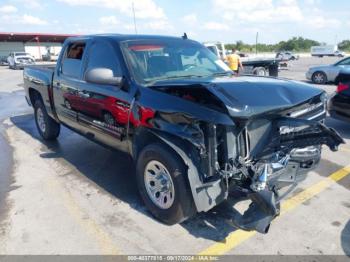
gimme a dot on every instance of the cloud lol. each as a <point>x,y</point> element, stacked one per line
<point>8,9</point>
<point>190,18</point>
<point>158,25</point>
<point>108,20</point>
<point>264,13</point>
<point>259,11</point>
<point>215,26</point>
<point>143,8</point>
<point>31,4</point>
<point>320,22</point>
<point>241,6</point>
<point>22,20</point>
<point>32,20</point>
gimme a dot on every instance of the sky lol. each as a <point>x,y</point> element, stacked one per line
<point>203,20</point>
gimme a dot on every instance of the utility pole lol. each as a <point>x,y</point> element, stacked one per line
<point>133,11</point>
<point>256,43</point>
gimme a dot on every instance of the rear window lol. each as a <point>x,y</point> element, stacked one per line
<point>71,63</point>
<point>76,51</point>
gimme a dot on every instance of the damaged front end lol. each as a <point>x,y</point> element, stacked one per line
<point>273,158</point>
<point>263,155</point>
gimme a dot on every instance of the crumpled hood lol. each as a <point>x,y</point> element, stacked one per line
<point>246,96</point>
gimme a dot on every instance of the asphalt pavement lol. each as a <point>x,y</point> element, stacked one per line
<point>73,196</point>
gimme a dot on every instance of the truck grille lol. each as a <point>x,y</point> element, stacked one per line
<point>315,111</point>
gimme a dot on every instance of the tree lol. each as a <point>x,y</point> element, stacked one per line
<point>344,45</point>
<point>298,44</point>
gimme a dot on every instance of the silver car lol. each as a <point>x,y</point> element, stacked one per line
<point>327,73</point>
<point>17,60</point>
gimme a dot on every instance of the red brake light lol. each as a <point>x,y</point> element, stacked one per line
<point>341,87</point>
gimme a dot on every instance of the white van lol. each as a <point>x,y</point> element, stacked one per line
<point>326,50</point>
<point>217,48</point>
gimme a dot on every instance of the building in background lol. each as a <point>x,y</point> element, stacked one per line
<point>39,45</point>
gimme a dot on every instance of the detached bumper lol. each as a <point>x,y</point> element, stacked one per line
<point>260,213</point>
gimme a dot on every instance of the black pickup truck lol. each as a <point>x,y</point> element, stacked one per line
<point>198,133</point>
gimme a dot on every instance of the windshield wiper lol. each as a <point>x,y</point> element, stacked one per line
<point>226,73</point>
<point>172,77</point>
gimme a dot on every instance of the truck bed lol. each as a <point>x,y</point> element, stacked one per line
<point>38,78</point>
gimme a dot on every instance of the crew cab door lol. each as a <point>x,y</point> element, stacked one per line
<point>67,78</point>
<point>106,107</point>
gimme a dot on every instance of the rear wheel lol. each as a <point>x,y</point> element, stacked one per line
<point>260,71</point>
<point>48,128</point>
<point>163,186</point>
<point>319,78</point>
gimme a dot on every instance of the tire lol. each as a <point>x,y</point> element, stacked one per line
<point>259,71</point>
<point>319,78</point>
<point>48,128</point>
<point>109,119</point>
<point>179,206</point>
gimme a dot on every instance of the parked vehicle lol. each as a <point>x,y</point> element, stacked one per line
<point>17,60</point>
<point>50,57</point>
<point>52,54</point>
<point>217,48</point>
<point>195,130</point>
<point>339,102</point>
<point>241,54</point>
<point>327,73</point>
<point>326,50</point>
<point>3,60</point>
<point>287,56</point>
<point>252,66</point>
<point>260,66</point>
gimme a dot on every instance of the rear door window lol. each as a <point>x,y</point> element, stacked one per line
<point>72,60</point>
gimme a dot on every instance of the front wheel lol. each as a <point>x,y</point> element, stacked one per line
<point>319,78</point>
<point>48,128</point>
<point>163,186</point>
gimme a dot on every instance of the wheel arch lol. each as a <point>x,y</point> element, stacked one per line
<point>205,196</point>
<point>33,95</point>
<point>322,72</point>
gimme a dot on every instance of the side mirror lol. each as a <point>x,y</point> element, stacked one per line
<point>102,76</point>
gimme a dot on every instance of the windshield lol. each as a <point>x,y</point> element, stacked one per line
<point>345,61</point>
<point>154,60</point>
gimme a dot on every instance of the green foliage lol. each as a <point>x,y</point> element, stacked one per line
<point>344,45</point>
<point>297,44</point>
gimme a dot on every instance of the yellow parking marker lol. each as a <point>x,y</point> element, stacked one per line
<point>239,236</point>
